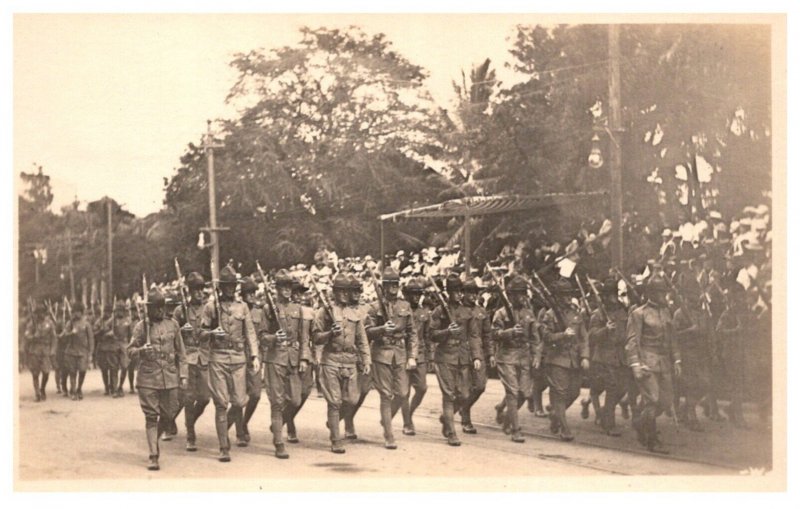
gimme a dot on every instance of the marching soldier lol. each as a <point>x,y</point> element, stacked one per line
<point>417,376</point>
<point>458,351</point>
<point>565,347</point>
<point>652,352</point>
<point>307,378</point>
<point>232,336</point>
<point>40,347</point>
<point>478,377</point>
<point>340,329</point>
<point>348,414</point>
<point>514,343</point>
<point>116,334</point>
<point>78,353</point>
<point>247,290</point>
<point>287,359</point>
<point>197,395</point>
<point>162,369</point>
<point>609,372</point>
<point>394,350</point>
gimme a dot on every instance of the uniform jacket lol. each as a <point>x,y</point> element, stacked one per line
<point>558,349</point>
<point>197,344</point>
<point>296,347</point>
<point>651,339</point>
<point>348,348</point>
<point>396,347</point>
<point>483,321</point>
<point>240,334</point>
<point>608,348</point>
<point>460,350</point>
<point>163,368</point>
<point>40,337</point>
<point>115,335</point>
<point>510,349</point>
<point>693,334</point>
<point>82,339</point>
<point>422,322</point>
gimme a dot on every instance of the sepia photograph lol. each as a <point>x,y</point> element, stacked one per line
<point>414,252</point>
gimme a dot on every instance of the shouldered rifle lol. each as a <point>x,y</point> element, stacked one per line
<point>145,314</point>
<point>584,300</point>
<point>182,291</point>
<point>323,299</point>
<point>600,305</point>
<point>380,295</point>
<point>551,300</point>
<point>441,300</point>
<point>270,300</point>
<point>52,313</point>
<point>215,294</point>
<point>503,295</point>
<point>628,284</point>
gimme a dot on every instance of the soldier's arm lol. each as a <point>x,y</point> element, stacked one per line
<point>320,329</point>
<point>437,332</point>
<point>177,315</point>
<point>362,343</point>
<point>727,324</point>
<point>682,326</point>
<point>90,334</point>
<point>53,339</point>
<point>137,339</point>
<point>672,341</point>
<point>250,335</point>
<point>180,353</point>
<point>374,331</point>
<point>412,339</point>
<point>583,341</point>
<point>500,323</point>
<point>304,335</point>
<point>550,329</point>
<point>634,335</point>
<point>598,332</point>
<point>474,337</point>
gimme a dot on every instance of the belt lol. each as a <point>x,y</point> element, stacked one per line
<point>227,344</point>
<point>287,344</point>
<point>392,342</point>
<point>341,349</point>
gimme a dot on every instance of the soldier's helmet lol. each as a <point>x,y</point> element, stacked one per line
<point>341,282</point>
<point>354,283</point>
<point>195,280</point>
<point>248,285</point>
<point>298,286</point>
<point>609,286</point>
<point>517,285</point>
<point>283,278</point>
<point>227,276</point>
<point>454,283</point>
<point>155,298</point>
<point>562,286</point>
<point>656,284</point>
<point>390,275</point>
<point>472,286</point>
<point>414,285</point>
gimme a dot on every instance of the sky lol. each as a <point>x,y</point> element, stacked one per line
<point>107,103</point>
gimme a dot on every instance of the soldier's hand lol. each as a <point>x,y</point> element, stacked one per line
<point>366,369</point>
<point>389,327</point>
<point>476,364</point>
<point>146,350</point>
<point>184,384</point>
<point>454,329</point>
<point>336,329</point>
<point>411,364</point>
<point>585,364</point>
<point>281,335</point>
<point>219,333</point>
<point>187,328</point>
<point>569,331</point>
<point>256,363</point>
<point>537,363</point>
<point>611,326</point>
<point>518,331</point>
<point>303,366</point>
<point>640,372</point>
<point>678,370</point>
<point>492,361</point>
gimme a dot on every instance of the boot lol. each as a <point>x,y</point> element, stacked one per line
<point>499,412</point>
<point>625,408</point>
<point>221,423</point>
<point>653,443</point>
<point>453,440</point>
<point>333,426</point>
<point>516,436</point>
<point>151,430</point>
<point>466,422</point>
<point>224,455</point>
<point>585,409</point>
<point>280,451</point>
<point>153,463</point>
<point>337,447</point>
<point>386,423</point>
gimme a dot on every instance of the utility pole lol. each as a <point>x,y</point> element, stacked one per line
<point>615,121</point>
<point>213,229</point>
<point>110,250</point>
<point>71,271</point>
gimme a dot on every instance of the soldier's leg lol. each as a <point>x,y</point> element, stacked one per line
<point>45,370</point>
<point>614,380</point>
<point>104,372</point>
<point>237,391</point>
<point>536,403</point>
<point>477,387</point>
<point>644,423</point>
<point>254,388</point>
<point>307,384</point>
<point>558,379</point>
<point>332,380</point>
<point>418,381</point>
<point>131,374</point>
<point>218,386</point>
<point>509,377</point>
<point>112,382</point>
<point>276,392</point>
<point>349,409</point>
<point>382,375</point>
<point>35,375</point>
<point>189,398</point>
<point>149,402</point>
<point>447,375</point>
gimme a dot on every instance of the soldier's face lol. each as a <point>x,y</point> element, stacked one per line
<point>228,291</point>
<point>196,294</point>
<point>470,298</point>
<point>391,289</point>
<point>157,312</point>
<point>341,297</point>
<point>355,296</point>
<point>456,295</point>
<point>285,292</point>
<point>658,296</point>
<point>249,298</point>
<point>517,298</point>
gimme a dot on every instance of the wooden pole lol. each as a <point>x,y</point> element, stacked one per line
<point>110,250</point>
<point>70,267</point>
<point>383,248</point>
<point>466,245</point>
<point>212,203</point>
<point>615,121</point>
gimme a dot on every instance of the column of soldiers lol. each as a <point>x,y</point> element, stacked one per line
<point>660,349</point>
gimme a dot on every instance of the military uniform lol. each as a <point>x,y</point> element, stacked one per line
<point>162,369</point>
<point>651,344</point>
<point>283,359</point>
<point>40,347</point>
<point>340,354</point>
<point>363,379</point>
<point>197,394</point>
<point>692,334</point>
<point>307,377</point>
<point>478,377</point>
<point>77,354</point>
<point>116,334</point>
<point>513,350</point>
<point>609,373</point>
<point>232,337</point>
<point>562,355</point>
<point>417,376</point>
<point>391,352</point>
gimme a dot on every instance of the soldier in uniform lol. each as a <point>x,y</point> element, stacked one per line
<point>197,394</point>
<point>232,337</point>
<point>78,353</point>
<point>348,414</point>
<point>565,347</point>
<point>300,297</point>
<point>341,331</point>
<point>514,343</point>
<point>247,290</point>
<point>394,350</point>
<point>115,335</point>
<point>609,371</point>
<point>417,376</point>
<point>458,351</point>
<point>40,347</point>
<point>162,369</point>
<point>692,332</point>
<point>287,358</point>
<point>652,352</point>
<point>478,377</point>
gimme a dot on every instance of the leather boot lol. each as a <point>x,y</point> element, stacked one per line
<point>512,415</point>
<point>516,436</point>
<point>280,451</point>
<point>151,430</point>
<point>221,423</point>
<point>386,423</point>
<point>333,427</point>
<point>448,426</point>
<point>191,436</point>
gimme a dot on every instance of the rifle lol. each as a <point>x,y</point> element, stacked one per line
<point>323,300</point>
<point>551,300</point>
<point>503,295</point>
<point>146,315</point>
<point>215,294</point>
<point>628,284</point>
<point>270,300</point>
<point>600,305</point>
<point>441,300</point>
<point>51,312</point>
<point>182,291</point>
<point>584,300</point>
<point>380,295</point>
